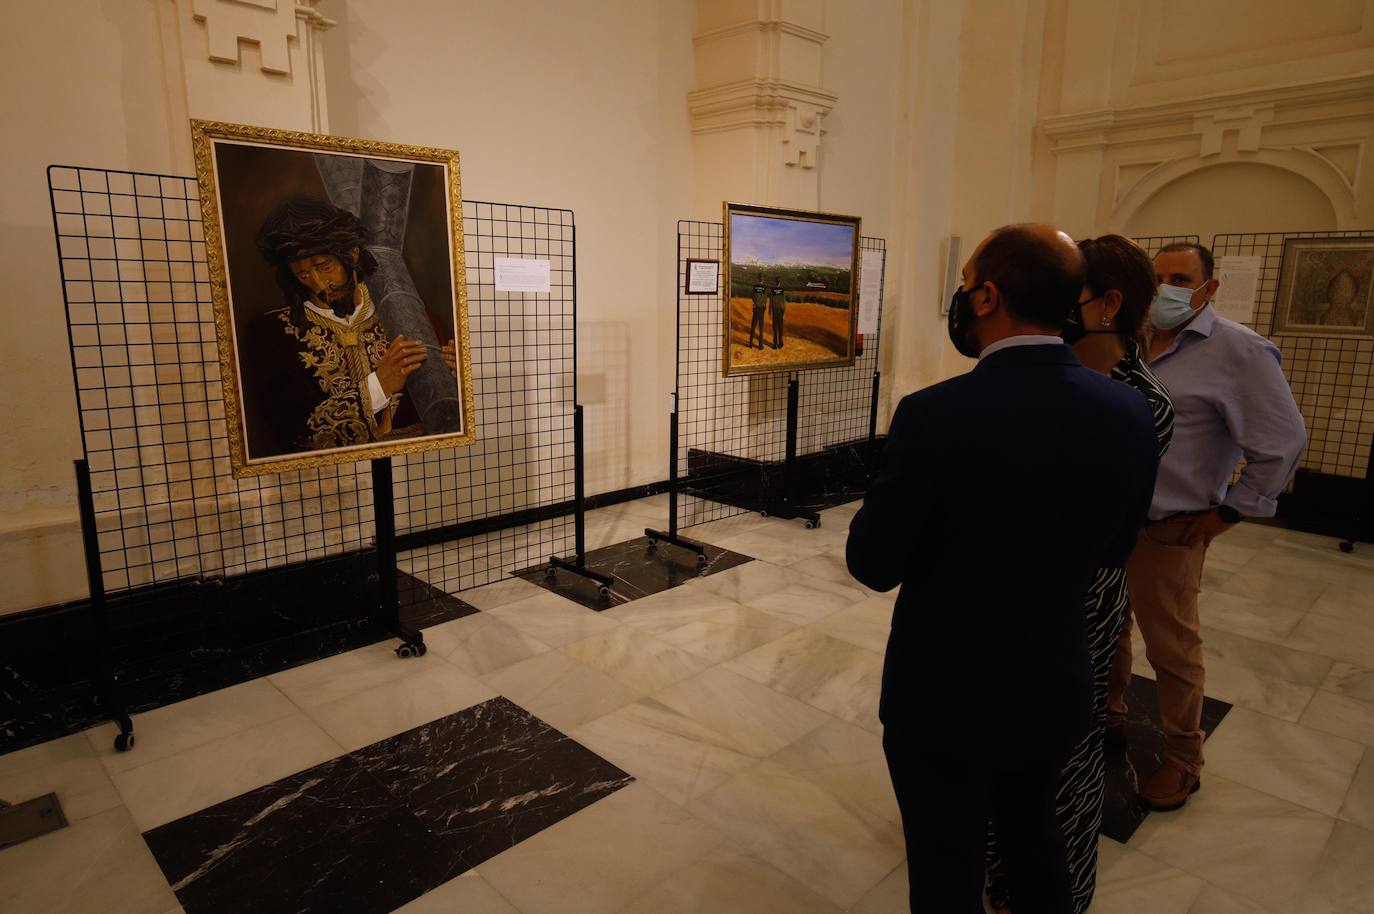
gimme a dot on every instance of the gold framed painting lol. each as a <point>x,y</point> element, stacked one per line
<point>792,281</point>
<point>337,273</point>
<point>1324,287</point>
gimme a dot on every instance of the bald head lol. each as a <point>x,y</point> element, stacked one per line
<point>1037,270</point>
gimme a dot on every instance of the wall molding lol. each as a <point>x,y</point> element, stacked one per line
<point>270,24</point>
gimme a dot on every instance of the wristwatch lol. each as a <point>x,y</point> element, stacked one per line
<point>1229,514</point>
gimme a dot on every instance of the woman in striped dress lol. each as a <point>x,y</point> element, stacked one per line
<point>1105,331</point>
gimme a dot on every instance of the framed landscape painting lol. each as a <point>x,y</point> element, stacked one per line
<point>1324,287</point>
<point>336,269</point>
<point>792,278</point>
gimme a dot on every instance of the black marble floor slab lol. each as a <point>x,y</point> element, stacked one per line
<point>372,830</point>
<point>36,706</point>
<point>1122,811</point>
<point>638,570</point>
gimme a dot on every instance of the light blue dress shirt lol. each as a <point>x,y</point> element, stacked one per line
<point>1230,399</point>
<point>1025,340</point>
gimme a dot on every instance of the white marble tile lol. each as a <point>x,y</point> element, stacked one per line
<point>640,661</point>
<point>499,593</point>
<point>343,674</point>
<point>1351,681</point>
<point>717,531</point>
<point>1347,717</point>
<point>1344,881</point>
<point>67,767</point>
<point>679,757</point>
<point>730,882</point>
<point>177,727</point>
<point>1319,564</point>
<point>1286,760</point>
<point>787,593</point>
<point>1359,800</point>
<point>169,788</point>
<point>751,718</point>
<point>468,894</point>
<point>98,865</point>
<point>848,762</point>
<point>1129,882</point>
<point>824,672</point>
<point>1229,555</point>
<point>891,896</point>
<point>865,624</point>
<point>552,619</point>
<point>1247,842</point>
<point>760,545</point>
<point>1347,603</point>
<point>663,612</point>
<point>1253,535</point>
<point>1219,901</point>
<point>1272,587</point>
<point>561,691</point>
<point>436,690</point>
<point>601,858</point>
<point>481,644</point>
<point>1270,622</point>
<point>1337,637</point>
<point>1264,677</point>
<point>831,566</point>
<point>835,848</point>
<point>726,634</point>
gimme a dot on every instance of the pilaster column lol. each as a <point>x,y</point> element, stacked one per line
<point>758,110</point>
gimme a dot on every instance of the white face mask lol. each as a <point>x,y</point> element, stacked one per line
<point>1172,306</point>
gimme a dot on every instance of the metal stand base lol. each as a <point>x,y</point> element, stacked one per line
<point>389,606</point>
<point>672,539</point>
<point>603,581</point>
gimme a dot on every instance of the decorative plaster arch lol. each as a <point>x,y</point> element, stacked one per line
<point>1304,163</point>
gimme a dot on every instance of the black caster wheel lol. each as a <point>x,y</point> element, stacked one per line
<point>124,742</point>
<point>763,514</point>
<point>653,543</point>
<point>701,560</point>
<point>603,591</point>
<point>550,572</point>
<point>812,524</point>
<point>1347,547</point>
<point>421,649</point>
<point>405,650</point>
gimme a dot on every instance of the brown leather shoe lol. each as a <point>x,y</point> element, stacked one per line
<point>1169,787</point>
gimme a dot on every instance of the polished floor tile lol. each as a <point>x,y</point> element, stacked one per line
<point>1129,882</point>
<point>638,660</point>
<point>98,864</point>
<point>603,858</point>
<point>785,592</point>
<point>1286,760</point>
<point>68,767</point>
<point>552,619</point>
<point>481,644</point>
<point>435,690</point>
<point>848,762</point>
<point>1344,881</point>
<point>1359,799</point>
<point>866,624</point>
<point>672,609</point>
<point>1347,717</point>
<point>1249,617</point>
<point>730,882</point>
<point>750,717</point>
<point>824,672</point>
<point>891,896</point>
<point>468,894</point>
<point>726,634</point>
<point>835,848</point>
<point>1242,840</point>
<point>1296,593</point>
<point>563,691</point>
<point>1338,636</point>
<point>1351,682</point>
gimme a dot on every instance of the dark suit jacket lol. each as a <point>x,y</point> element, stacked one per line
<point>1001,493</point>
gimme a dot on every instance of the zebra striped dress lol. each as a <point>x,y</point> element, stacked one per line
<point>1080,787</point>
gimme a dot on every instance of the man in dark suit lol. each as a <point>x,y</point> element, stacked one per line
<point>1001,493</point>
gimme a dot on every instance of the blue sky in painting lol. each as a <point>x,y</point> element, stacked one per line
<point>787,241</point>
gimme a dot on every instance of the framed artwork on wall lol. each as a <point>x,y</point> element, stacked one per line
<point>792,279</point>
<point>1324,287</point>
<point>337,276</point>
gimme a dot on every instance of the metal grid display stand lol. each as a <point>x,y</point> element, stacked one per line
<point>1332,377</point>
<point>722,428</point>
<point>163,506</point>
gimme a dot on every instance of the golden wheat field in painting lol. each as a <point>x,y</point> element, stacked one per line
<point>815,333</point>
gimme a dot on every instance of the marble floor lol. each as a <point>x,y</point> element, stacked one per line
<point>742,706</point>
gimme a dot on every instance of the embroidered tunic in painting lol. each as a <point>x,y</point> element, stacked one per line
<point>313,391</point>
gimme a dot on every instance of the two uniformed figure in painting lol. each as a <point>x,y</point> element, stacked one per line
<point>774,300</point>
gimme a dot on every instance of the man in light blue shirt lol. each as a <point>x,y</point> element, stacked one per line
<point>1230,400</point>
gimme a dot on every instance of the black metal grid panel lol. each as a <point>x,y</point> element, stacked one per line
<point>524,382</point>
<point>146,367</point>
<point>746,417</point>
<point>1332,377</point>
<point>834,404</point>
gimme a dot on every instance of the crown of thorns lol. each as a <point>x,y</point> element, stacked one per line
<point>303,226</point>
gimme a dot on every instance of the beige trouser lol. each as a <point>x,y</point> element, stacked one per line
<point>1165,578</point>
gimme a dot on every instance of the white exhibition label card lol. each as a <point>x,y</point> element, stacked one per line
<point>870,290</point>
<point>521,274</point>
<point>1239,289</point>
<point>703,276</point>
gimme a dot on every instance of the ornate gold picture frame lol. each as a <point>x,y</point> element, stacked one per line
<point>790,291</point>
<point>340,296</point>
<point>1325,288</point>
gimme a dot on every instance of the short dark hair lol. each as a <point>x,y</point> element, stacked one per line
<point>1039,279</point>
<point>1117,262</point>
<point>303,226</point>
<point>1203,254</point>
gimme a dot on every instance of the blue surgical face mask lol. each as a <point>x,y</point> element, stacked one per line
<point>1172,306</point>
